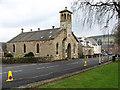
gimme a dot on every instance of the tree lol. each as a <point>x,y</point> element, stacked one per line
<point>100,11</point>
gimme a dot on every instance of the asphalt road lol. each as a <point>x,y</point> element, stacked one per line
<point>29,73</point>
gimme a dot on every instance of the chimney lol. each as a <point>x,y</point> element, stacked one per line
<point>65,8</point>
<point>53,27</point>
<point>38,29</point>
<point>31,30</point>
<point>22,30</point>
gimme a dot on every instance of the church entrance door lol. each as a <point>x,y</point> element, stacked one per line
<point>69,51</point>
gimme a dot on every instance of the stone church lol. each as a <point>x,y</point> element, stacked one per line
<point>60,43</point>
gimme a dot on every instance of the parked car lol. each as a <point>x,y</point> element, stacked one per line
<point>104,54</point>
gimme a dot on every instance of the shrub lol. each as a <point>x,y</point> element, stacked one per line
<point>30,54</point>
<point>18,56</point>
<point>9,55</point>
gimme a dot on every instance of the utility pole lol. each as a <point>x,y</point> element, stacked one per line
<point>108,44</point>
<point>99,46</point>
<point>108,38</point>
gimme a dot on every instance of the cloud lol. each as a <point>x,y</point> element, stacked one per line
<point>33,14</point>
<point>28,14</point>
<point>19,13</point>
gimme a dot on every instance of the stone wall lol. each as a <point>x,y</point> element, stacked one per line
<point>6,60</point>
<point>45,48</point>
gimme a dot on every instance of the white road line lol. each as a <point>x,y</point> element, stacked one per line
<point>21,66</point>
<point>75,63</point>
<point>40,68</point>
<point>17,71</point>
<point>13,72</point>
<point>52,66</point>
<point>68,64</point>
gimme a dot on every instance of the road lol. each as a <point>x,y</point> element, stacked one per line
<point>29,73</point>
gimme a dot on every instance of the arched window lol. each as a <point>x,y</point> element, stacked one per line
<point>65,16</point>
<point>24,48</point>
<point>13,48</point>
<point>68,17</point>
<point>37,48</point>
<point>57,49</point>
<point>74,48</point>
<point>62,17</point>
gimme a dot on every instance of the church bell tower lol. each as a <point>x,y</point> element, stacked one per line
<point>66,20</point>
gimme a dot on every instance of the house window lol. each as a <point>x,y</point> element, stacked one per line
<point>57,49</point>
<point>37,48</point>
<point>74,48</point>
<point>13,48</point>
<point>24,48</point>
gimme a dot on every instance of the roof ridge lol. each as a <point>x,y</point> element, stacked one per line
<point>42,30</point>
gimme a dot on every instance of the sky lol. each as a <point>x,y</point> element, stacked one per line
<point>33,14</point>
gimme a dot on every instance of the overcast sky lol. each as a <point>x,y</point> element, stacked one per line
<point>33,14</point>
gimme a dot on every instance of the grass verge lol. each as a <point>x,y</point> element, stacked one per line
<point>101,77</point>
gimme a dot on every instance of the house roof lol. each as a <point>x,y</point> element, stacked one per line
<point>48,34</point>
<point>93,41</point>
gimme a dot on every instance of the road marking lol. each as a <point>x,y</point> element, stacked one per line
<point>4,73</point>
<point>17,71</point>
<point>40,68</point>
<point>13,71</point>
<point>75,63</point>
<point>21,66</point>
<point>52,66</point>
<point>42,75</point>
<point>68,64</point>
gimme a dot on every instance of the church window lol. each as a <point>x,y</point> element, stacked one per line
<point>37,48</point>
<point>24,48</point>
<point>74,48</point>
<point>62,17</point>
<point>65,16</point>
<point>13,48</point>
<point>57,49</point>
<point>68,16</point>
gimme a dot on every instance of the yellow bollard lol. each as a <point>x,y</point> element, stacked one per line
<point>10,77</point>
<point>109,58</point>
<point>102,59</point>
<point>117,56</point>
<point>85,63</point>
<point>96,56</point>
<point>87,57</point>
<point>92,57</point>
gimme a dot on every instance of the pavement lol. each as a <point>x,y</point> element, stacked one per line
<point>29,73</point>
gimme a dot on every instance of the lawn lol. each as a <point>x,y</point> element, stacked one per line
<point>102,77</point>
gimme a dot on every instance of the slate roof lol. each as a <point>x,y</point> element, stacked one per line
<point>93,41</point>
<point>48,34</point>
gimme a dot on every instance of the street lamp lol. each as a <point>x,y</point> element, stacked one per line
<point>99,46</point>
<point>108,39</point>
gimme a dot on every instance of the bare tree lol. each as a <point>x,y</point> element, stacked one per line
<point>100,11</point>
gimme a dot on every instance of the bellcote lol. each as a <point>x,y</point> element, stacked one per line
<point>65,15</point>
